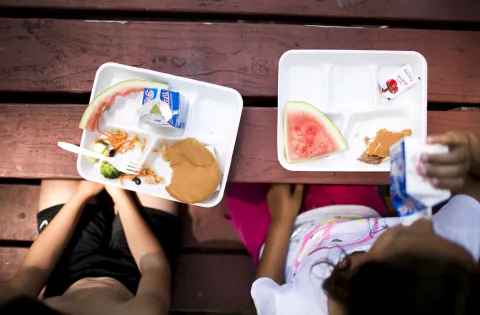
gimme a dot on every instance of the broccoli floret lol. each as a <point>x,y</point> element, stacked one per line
<point>108,171</point>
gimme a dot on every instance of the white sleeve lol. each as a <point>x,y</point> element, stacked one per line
<point>459,222</point>
<point>291,298</point>
<point>263,295</point>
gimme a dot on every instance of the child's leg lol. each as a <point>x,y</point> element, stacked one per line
<point>161,215</point>
<point>91,233</point>
<point>248,212</point>
<point>148,201</point>
<point>56,192</point>
<point>90,230</point>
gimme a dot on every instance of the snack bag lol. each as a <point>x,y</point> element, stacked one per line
<point>410,192</point>
<point>163,108</point>
<point>397,83</point>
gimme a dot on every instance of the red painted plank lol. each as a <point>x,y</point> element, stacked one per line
<point>213,283</point>
<point>63,55</point>
<point>18,213</point>
<point>410,10</point>
<point>254,160</point>
<point>10,259</point>
<point>202,282</point>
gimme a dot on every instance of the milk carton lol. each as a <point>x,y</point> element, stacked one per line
<point>412,193</point>
<point>163,108</point>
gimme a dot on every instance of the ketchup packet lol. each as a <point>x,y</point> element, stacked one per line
<point>411,192</point>
<point>397,83</point>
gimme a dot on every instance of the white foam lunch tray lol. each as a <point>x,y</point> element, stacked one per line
<point>213,119</point>
<point>344,85</point>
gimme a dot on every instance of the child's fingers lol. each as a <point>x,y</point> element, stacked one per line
<point>458,155</point>
<point>446,158</point>
<point>448,139</point>
<point>446,171</point>
<point>279,188</point>
<point>448,183</point>
<point>440,139</point>
<point>298,192</point>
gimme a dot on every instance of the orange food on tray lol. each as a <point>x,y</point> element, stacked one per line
<point>378,148</point>
<point>149,176</point>
<point>119,142</point>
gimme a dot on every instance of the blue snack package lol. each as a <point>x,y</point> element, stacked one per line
<point>165,108</point>
<point>175,113</point>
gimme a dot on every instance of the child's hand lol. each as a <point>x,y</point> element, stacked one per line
<point>449,170</point>
<point>89,189</point>
<point>284,204</point>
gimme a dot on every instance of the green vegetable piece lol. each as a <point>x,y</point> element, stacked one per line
<point>108,171</point>
<point>99,147</point>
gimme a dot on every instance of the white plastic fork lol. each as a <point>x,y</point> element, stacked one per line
<point>131,167</point>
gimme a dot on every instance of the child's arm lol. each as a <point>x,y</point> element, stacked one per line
<point>47,249</point>
<point>272,263</point>
<point>153,293</point>
<point>284,206</point>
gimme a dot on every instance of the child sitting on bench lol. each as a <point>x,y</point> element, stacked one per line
<point>342,258</point>
<point>94,260</point>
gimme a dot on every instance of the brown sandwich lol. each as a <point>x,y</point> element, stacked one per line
<point>195,171</point>
<point>378,148</point>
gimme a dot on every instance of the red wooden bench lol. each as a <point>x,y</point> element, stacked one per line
<point>48,62</point>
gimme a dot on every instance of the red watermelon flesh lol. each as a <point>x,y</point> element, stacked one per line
<point>105,99</point>
<point>309,133</point>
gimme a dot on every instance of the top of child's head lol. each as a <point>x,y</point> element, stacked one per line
<point>409,270</point>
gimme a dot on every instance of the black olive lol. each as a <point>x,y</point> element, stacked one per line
<point>112,153</point>
<point>137,180</point>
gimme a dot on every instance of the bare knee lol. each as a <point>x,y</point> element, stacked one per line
<point>158,203</point>
<point>54,192</point>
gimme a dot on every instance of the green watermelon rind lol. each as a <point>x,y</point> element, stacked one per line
<point>326,122</point>
<point>97,101</point>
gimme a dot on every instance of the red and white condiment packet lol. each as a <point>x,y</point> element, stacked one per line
<point>397,83</point>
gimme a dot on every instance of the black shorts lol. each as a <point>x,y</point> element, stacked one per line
<point>98,247</point>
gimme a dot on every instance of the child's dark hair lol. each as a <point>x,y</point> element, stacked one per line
<point>406,284</point>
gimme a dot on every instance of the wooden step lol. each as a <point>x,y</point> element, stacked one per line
<point>45,55</point>
<point>10,260</point>
<point>359,10</point>
<point>213,282</point>
<point>28,155</point>
<point>18,212</point>
<point>203,282</point>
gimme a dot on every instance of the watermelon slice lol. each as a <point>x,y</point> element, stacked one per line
<point>309,133</point>
<point>105,99</point>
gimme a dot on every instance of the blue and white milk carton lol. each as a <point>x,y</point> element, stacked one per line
<point>410,192</point>
<point>163,108</point>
